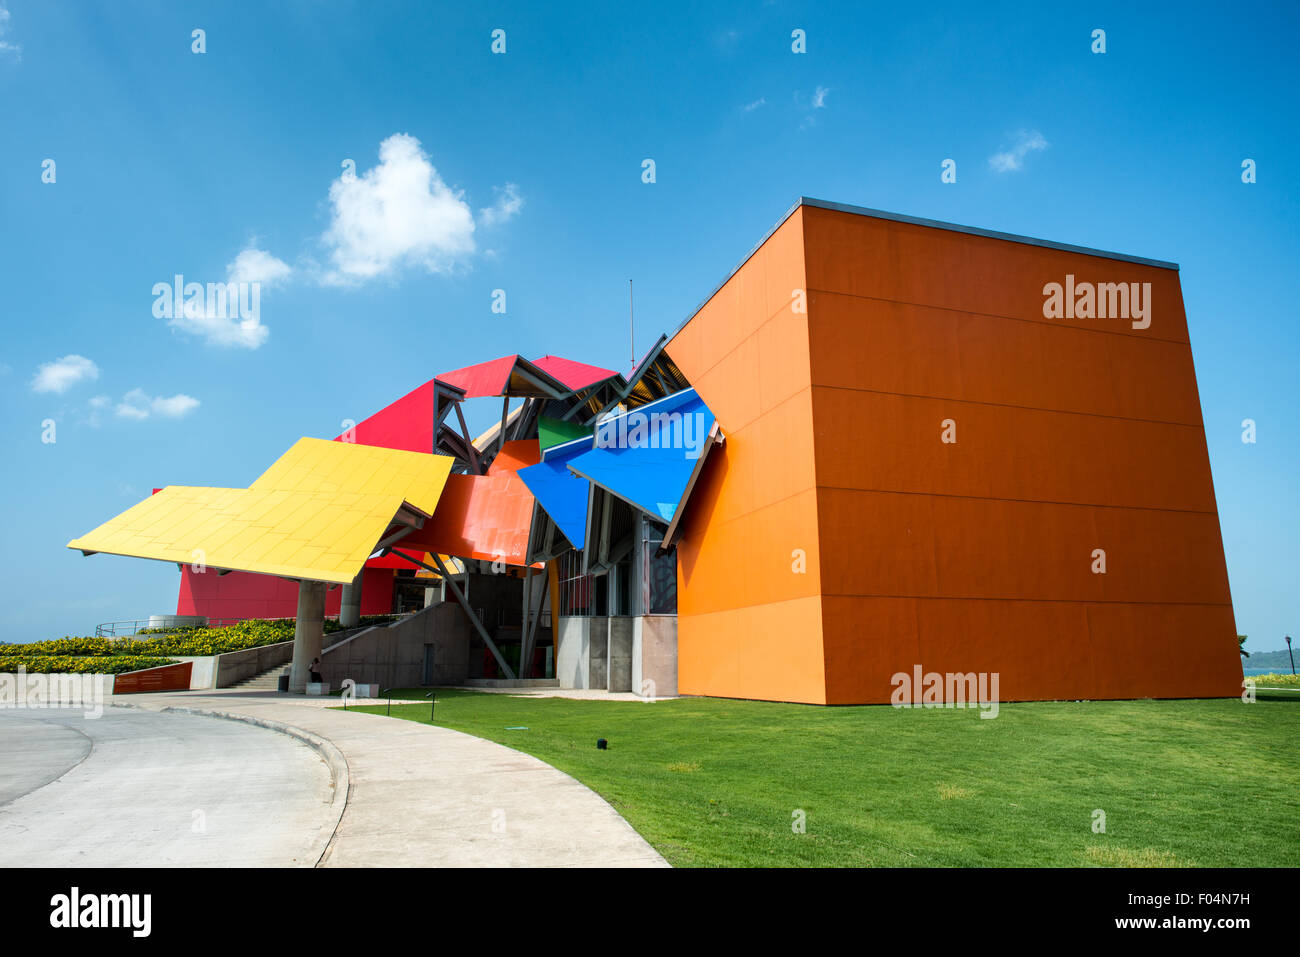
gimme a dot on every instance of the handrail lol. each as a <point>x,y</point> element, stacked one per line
<point>130,627</point>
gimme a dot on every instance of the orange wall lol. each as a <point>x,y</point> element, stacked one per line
<point>747,625</point>
<point>1071,435</point>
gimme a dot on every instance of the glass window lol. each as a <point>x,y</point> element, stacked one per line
<point>662,580</point>
<point>656,572</point>
<point>576,589</point>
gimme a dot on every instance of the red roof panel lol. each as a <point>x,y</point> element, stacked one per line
<point>485,378</point>
<point>576,375</point>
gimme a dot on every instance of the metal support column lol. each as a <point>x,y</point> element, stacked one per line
<point>464,604</point>
<point>529,635</point>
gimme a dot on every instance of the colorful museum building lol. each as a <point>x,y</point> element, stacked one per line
<point>881,444</point>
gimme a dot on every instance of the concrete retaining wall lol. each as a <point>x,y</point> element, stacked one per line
<point>619,654</point>
<point>571,653</point>
<point>598,652</point>
<point>236,666</point>
<point>392,655</point>
<point>204,674</point>
<point>621,637</point>
<point>654,656</point>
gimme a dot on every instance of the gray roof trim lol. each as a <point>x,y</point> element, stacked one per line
<point>918,221</point>
<point>977,231</point>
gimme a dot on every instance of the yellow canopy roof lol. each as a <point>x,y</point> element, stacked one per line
<point>319,465</point>
<point>317,513</point>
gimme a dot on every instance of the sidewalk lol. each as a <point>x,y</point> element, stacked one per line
<point>424,796</point>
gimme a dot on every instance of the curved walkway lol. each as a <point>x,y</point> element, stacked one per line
<point>422,796</point>
<point>131,789</point>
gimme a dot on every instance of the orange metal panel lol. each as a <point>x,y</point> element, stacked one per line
<point>748,622</point>
<point>516,455</point>
<point>761,289</point>
<point>886,544</point>
<point>1039,650</point>
<point>770,652</point>
<point>1072,434</point>
<point>163,678</point>
<point>869,440</point>
<point>902,262</point>
<point>1164,651</point>
<point>486,517</point>
<point>769,555</point>
<point>919,350</point>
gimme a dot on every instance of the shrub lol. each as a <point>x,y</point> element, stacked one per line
<point>85,665</point>
<point>188,642</point>
<point>1276,680</point>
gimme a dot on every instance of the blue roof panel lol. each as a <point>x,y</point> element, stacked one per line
<point>647,456</point>
<point>561,494</point>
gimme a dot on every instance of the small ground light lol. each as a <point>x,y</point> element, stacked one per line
<point>601,744</point>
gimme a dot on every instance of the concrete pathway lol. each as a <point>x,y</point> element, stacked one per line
<point>132,789</point>
<point>424,796</point>
<point>577,694</point>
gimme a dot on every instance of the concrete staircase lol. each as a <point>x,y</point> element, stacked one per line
<point>268,680</point>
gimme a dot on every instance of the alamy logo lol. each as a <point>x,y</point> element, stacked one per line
<point>952,690</point>
<point>21,690</point>
<point>215,300</point>
<point>75,909</point>
<point>657,430</point>
<point>1103,300</point>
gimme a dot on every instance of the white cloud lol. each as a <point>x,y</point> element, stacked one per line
<point>5,46</point>
<point>214,324</point>
<point>508,204</point>
<point>1008,161</point>
<point>174,406</point>
<point>137,405</point>
<point>809,107</point>
<point>751,107</point>
<point>98,404</point>
<point>257,265</point>
<point>236,320</point>
<point>62,374</point>
<point>399,213</point>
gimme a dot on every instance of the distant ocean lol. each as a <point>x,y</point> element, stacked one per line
<point>1247,672</point>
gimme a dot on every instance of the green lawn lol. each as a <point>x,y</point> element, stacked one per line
<point>716,782</point>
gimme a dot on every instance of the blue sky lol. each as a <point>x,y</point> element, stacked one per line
<point>228,164</point>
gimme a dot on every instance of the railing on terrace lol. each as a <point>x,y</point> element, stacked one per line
<point>159,625</point>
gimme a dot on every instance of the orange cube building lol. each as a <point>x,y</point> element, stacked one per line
<point>953,449</point>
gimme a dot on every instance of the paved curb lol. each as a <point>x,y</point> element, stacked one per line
<point>335,760</point>
<point>423,793</point>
